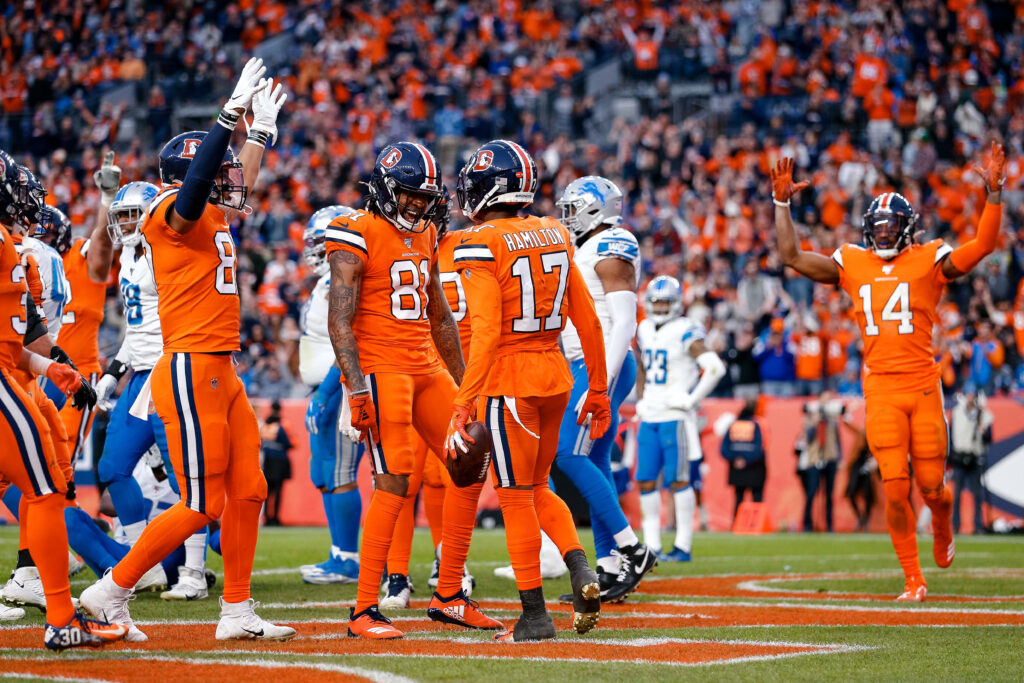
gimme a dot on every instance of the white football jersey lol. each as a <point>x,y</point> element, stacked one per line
<point>617,243</point>
<point>56,289</point>
<point>670,371</point>
<point>142,319</point>
<point>316,353</point>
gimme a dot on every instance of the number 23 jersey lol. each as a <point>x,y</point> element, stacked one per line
<point>390,324</point>
<point>895,304</point>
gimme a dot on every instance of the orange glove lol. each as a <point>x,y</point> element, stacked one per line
<point>598,409</point>
<point>992,173</point>
<point>457,438</point>
<point>364,414</point>
<point>64,378</point>
<point>783,187</point>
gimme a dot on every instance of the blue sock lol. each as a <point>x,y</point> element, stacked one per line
<point>213,540</point>
<point>599,494</point>
<point>604,541</point>
<point>99,551</point>
<point>126,495</point>
<point>12,499</point>
<point>347,507</point>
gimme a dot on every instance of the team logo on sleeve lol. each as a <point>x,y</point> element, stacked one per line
<point>189,147</point>
<point>392,158</point>
<point>484,159</point>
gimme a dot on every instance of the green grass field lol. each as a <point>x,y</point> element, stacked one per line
<point>829,593</point>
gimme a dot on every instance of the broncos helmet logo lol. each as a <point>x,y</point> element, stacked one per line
<point>592,188</point>
<point>189,147</point>
<point>393,157</point>
<point>484,159</point>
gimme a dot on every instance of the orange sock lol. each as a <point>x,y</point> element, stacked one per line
<point>401,542</point>
<point>902,523</point>
<point>48,542</point>
<point>158,540</point>
<point>459,520</point>
<point>522,535</point>
<point>555,519</point>
<point>378,528</point>
<point>239,530</point>
<point>433,508</point>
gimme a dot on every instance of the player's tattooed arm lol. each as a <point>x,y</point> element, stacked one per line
<point>444,329</point>
<point>343,299</point>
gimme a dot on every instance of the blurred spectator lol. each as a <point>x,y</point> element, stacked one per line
<point>776,363</point>
<point>743,367</point>
<point>862,472</point>
<point>987,354</point>
<point>277,468</point>
<point>971,434</point>
<point>819,455</point>
<point>743,448</point>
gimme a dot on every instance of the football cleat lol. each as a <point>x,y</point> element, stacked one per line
<point>461,611</point>
<point>528,629</point>
<point>397,592</point>
<point>75,565</point>
<point>634,564</point>
<point>109,602</point>
<point>25,588</point>
<point>155,579</point>
<point>914,590</point>
<point>334,570</point>
<point>586,598</point>
<point>677,555</point>
<point>605,580</point>
<point>370,623</point>
<point>191,585</point>
<point>239,621</point>
<point>83,632</point>
<point>550,568</point>
<point>468,580</point>
<point>8,613</point>
<point>435,572</point>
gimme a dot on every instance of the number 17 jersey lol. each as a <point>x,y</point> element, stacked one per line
<point>895,304</point>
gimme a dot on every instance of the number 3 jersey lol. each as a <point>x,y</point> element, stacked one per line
<point>195,275</point>
<point>895,303</point>
<point>142,336</point>
<point>669,369</point>
<point>390,324</point>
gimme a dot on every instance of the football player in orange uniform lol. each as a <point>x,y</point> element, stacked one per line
<point>895,286</point>
<point>517,378</point>
<point>390,326</point>
<point>215,457</point>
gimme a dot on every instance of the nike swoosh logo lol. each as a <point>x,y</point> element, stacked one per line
<point>928,393</point>
<point>255,634</point>
<point>637,569</point>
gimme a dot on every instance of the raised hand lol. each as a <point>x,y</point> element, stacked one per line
<point>249,83</point>
<point>266,106</point>
<point>993,172</point>
<point>783,187</point>
<point>108,178</point>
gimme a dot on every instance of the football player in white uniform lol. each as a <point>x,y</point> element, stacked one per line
<point>608,256</point>
<point>678,372</point>
<point>129,437</point>
<point>334,445</point>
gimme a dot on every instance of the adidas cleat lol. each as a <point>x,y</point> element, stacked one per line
<point>461,611</point>
<point>370,623</point>
<point>677,555</point>
<point>914,590</point>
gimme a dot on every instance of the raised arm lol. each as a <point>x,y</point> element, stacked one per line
<point>266,105</point>
<point>101,249</point>
<point>969,254</point>
<point>443,327</point>
<point>817,267</point>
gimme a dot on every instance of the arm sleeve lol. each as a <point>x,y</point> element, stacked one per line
<point>965,257</point>
<point>195,189</point>
<point>584,318</point>
<point>713,370</point>
<point>622,306</point>
<point>482,291</point>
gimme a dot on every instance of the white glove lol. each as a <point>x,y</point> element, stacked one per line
<point>108,179</point>
<point>153,458</point>
<point>641,410</point>
<point>249,83</point>
<point>687,403</point>
<point>345,418</point>
<point>104,390</point>
<point>266,105</point>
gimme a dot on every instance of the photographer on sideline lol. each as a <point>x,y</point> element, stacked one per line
<point>971,432</point>
<point>821,454</point>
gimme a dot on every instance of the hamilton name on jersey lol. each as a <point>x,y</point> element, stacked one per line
<point>532,239</point>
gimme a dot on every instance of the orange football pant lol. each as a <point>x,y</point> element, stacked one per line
<point>901,424</point>
<point>409,404</point>
<point>28,460</point>
<point>524,432</point>
<point>58,434</point>
<point>214,443</point>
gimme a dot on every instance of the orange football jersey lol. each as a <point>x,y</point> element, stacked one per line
<point>83,312</point>
<point>530,258</point>
<point>895,303</point>
<point>454,292</point>
<point>390,324</point>
<point>195,279</point>
<point>13,297</point>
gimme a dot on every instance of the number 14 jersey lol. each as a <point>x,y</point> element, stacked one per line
<point>895,304</point>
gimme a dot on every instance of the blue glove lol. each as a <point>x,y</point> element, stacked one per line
<point>318,402</point>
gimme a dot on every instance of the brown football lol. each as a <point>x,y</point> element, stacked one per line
<point>471,468</point>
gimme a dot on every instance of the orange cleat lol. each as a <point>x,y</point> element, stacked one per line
<point>370,623</point>
<point>943,543</point>
<point>461,611</point>
<point>914,590</point>
<point>82,632</point>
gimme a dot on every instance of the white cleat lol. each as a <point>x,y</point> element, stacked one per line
<point>75,565</point>
<point>397,591</point>
<point>108,602</point>
<point>239,621</point>
<point>8,613</point>
<point>25,588</point>
<point>550,568</point>
<point>153,580</point>
<point>191,586</point>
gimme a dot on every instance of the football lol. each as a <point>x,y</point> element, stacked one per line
<point>471,468</point>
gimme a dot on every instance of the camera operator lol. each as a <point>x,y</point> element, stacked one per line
<point>971,432</point>
<point>821,453</point>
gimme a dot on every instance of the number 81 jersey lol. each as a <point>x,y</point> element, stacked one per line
<point>895,303</point>
<point>390,325</point>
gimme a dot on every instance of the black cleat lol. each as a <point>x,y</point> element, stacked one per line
<point>634,564</point>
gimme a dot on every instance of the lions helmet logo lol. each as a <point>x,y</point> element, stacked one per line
<point>483,160</point>
<point>393,157</point>
<point>189,147</point>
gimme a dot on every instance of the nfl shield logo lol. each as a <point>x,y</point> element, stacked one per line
<point>408,243</point>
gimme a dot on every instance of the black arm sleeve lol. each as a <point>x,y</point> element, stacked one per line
<point>36,327</point>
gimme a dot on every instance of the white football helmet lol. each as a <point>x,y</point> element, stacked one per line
<point>124,217</point>
<point>589,202</point>
<point>314,248</point>
<point>663,299</point>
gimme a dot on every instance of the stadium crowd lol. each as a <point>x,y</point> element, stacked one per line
<point>867,100</point>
